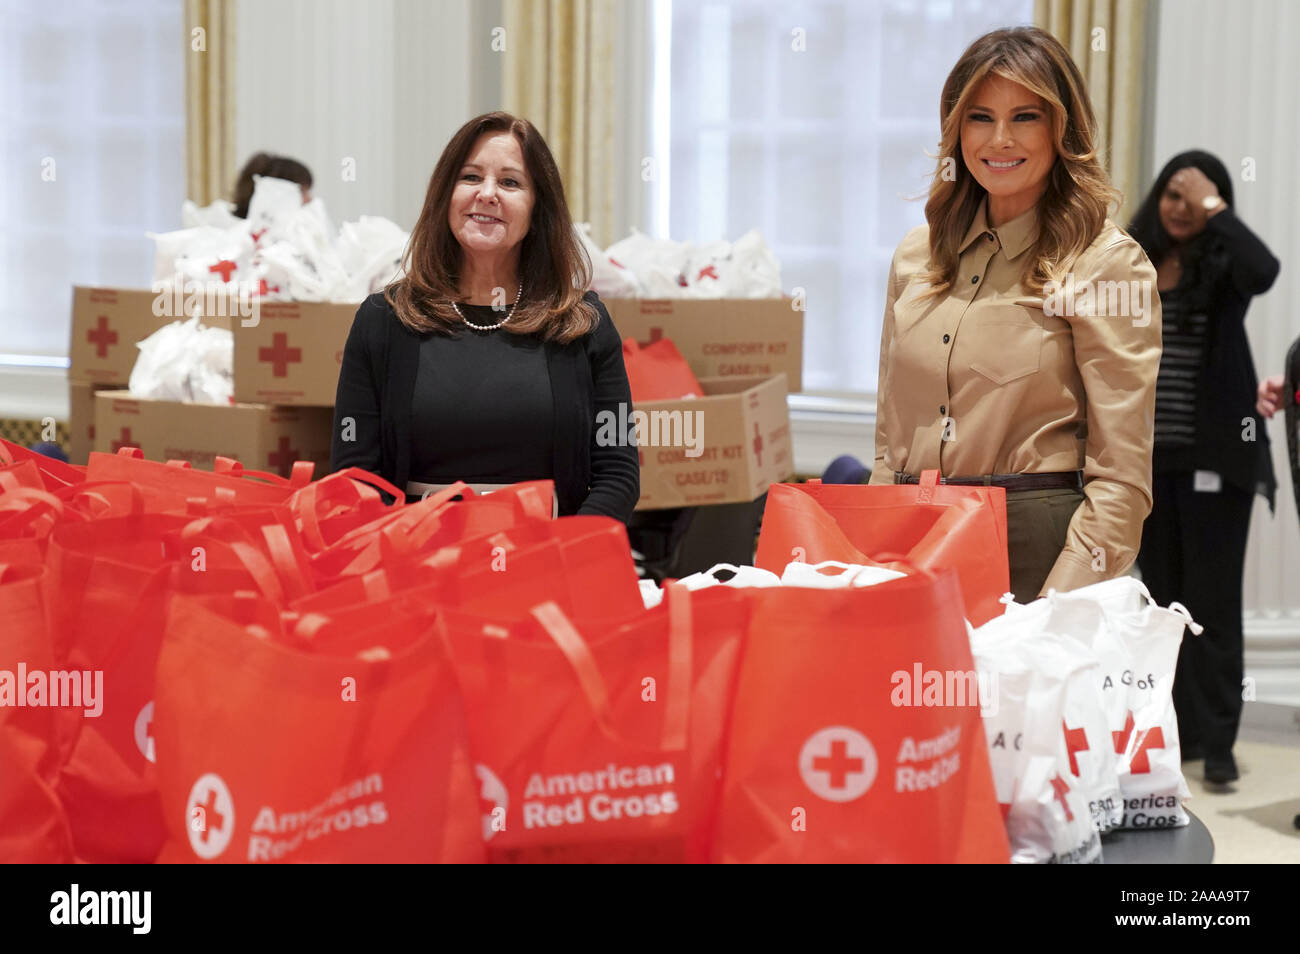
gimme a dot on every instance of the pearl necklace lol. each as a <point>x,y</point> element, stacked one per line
<point>509,311</point>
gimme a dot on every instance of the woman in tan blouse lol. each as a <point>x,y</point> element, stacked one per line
<point>1021,336</point>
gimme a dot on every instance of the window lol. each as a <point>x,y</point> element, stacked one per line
<point>811,121</point>
<point>92,127</point>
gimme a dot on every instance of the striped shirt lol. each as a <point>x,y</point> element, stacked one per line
<point>1184,334</point>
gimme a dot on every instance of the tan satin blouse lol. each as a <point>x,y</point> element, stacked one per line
<point>991,379</point>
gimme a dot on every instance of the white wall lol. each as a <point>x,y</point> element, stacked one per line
<point>384,83</point>
<point>1227,81</point>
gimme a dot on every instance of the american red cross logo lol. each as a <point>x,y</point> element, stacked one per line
<point>101,337</point>
<point>655,335</point>
<point>1153,738</point>
<point>707,271</point>
<point>280,355</point>
<point>1076,740</point>
<point>1060,787</point>
<point>124,440</point>
<point>225,267</point>
<point>1121,738</point>
<point>212,819</point>
<point>758,444</point>
<point>838,764</point>
<point>209,816</point>
<point>281,459</point>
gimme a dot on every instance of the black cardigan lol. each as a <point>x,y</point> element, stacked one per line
<point>377,385</point>
<point>1227,385</point>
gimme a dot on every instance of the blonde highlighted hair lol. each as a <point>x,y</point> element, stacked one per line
<point>1073,209</point>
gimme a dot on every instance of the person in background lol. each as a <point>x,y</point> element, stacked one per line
<point>988,373</point>
<point>485,361</point>
<point>1211,450</point>
<point>277,167</point>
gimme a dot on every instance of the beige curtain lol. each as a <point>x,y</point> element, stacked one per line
<point>1107,38</point>
<point>559,74</point>
<point>209,99</point>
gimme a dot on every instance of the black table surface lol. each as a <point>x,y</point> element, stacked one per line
<point>1190,845</point>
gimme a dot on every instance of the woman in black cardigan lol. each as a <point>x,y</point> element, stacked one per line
<point>486,362</point>
<point>1211,449</point>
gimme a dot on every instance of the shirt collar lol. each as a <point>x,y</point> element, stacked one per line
<point>1014,236</point>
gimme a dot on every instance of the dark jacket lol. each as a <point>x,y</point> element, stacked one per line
<point>1228,384</point>
<point>377,385</point>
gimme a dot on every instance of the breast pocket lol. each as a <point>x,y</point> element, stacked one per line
<point>1009,340</point>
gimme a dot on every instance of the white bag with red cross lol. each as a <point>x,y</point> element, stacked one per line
<point>1138,651</point>
<point>1044,807</point>
<point>1062,633</point>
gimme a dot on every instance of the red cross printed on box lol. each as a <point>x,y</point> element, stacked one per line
<point>838,764</point>
<point>1076,740</point>
<point>280,355</point>
<point>758,444</point>
<point>655,335</point>
<point>225,267</point>
<point>101,337</point>
<point>1153,738</point>
<point>124,440</point>
<point>281,459</point>
<point>1121,738</point>
<point>1060,787</point>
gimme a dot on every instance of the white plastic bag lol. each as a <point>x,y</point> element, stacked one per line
<point>608,280</point>
<point>185,361</point>
<point>1138,654</point>
<point>740,576</point>
<point>833,575</point>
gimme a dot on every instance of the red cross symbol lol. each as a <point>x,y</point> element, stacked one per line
<point>1076,740</point>
<point>1150,739</point>
<point>257,236</point>
<point>838,764</point>
<point>758,444</point>
<point>1060,787</point>
<point>707,272</point>
<point>281,460</point>
<point>1121,738</point>
<point>101,337</point>
<point>225,267</point>
<point>263,288</point>
<point>280,355</point>
<point>209,812</point>
<point>124,441</point>
<point>655,335</point>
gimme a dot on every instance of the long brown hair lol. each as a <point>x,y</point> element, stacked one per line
<point>1073,209</point>
<point>553,265</point>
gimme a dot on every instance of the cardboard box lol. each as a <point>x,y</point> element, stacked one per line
<point>81,421</point>
<point>293,354</point>
<point>259,436</point>
<point>736,444</point>
<point>720,337</point>
<point>107,323</point>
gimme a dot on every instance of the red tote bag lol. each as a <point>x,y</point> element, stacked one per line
<point>835,758</point>
<point>600,742</point>
<point>271,754</point>
<point>658,372</point>
<point>932,526</point>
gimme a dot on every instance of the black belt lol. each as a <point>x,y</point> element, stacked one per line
<point>1067,480</point>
